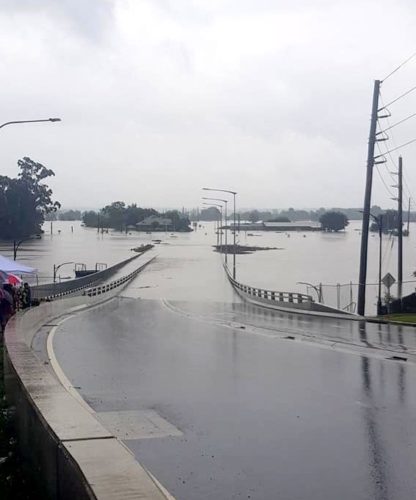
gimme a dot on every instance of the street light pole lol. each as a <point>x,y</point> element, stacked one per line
<point>55,269</point>
<point>30,121</point>
<point>234,222</point>
<point>225,216</point>
<point>16,245</point>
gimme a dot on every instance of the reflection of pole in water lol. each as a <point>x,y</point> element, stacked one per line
<point>402,383</point>
<point>378,456</point>
<point>377,452</point>
<point>363,332</point>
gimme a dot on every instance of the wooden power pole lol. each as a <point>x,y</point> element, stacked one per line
<point>367,202</point>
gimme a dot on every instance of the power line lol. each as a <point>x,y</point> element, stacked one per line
<point>398,98</point>
<point>395,124</point>
<point>400,66</point>
<point>398,147</point>
<point>384,182</point>
<point>409,193</point>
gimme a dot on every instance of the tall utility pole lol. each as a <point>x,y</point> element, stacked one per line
<point>400,230</point>
<point>367,202</point>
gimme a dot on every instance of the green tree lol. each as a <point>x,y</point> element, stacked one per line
<point>25,200</point>
<point>179,222</point>
<point>210,214</point>
<point>90,218</point>
<point>135,214</point>
<point>116,215</point>
<point>333,221</point>
<point>69,215</point>
<point>390,221</point>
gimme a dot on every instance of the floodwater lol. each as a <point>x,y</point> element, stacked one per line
<point>302,257</point>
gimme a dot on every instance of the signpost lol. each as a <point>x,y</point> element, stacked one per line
<point>388,281</point>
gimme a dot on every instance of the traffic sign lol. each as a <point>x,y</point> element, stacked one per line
<point>388,280</point>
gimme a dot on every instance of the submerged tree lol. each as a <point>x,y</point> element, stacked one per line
<point>25,200</point>
<point>333,221</point>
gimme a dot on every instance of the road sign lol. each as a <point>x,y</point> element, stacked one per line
<point>388,280</point>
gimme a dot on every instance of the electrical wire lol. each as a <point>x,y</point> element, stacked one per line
<point>395,124</point>
<point>384,182</point>
<point>398,147</point>
<point>398,67</point>
<point>398,98</point>
<point>409,193</point>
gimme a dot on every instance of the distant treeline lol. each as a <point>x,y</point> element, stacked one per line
<point>291,214</point>
<point>120,217</point>
<point>65,215</point>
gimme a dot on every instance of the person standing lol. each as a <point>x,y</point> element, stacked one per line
<point>26,296</point>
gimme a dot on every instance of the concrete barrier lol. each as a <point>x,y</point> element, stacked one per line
<point>65,445</point>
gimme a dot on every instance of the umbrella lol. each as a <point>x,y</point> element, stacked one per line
<point>14,280</point>
<point>9,278</point>
<point>11,266</point>
<point>5,295</point>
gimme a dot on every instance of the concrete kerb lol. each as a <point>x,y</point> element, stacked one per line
<point>64,443</point>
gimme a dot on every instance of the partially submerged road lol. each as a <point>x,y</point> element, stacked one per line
<point>220,399</point>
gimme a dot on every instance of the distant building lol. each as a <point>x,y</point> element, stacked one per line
<point>155,223</point>
<point>280,226</point>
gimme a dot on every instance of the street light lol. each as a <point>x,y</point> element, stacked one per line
<point>317,289</point>
<point>218,227</point>
<point>225,217</point>
<point>16,245</point>
<point>30,121</point>
<point>234,224</point>
<point>55,269</point>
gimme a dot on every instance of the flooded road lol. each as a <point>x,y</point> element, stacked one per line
<point>220,399</point>
<point>300,258</point>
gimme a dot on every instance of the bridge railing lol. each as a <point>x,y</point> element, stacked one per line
<point>100,289</point>
<point>288,297</point>
<point>50,291</point>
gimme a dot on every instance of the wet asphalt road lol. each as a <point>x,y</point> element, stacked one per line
<point>267,405</point>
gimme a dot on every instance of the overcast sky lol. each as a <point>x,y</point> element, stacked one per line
<point>159,98</point>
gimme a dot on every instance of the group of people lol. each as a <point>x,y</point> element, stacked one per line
<point>12,299</point>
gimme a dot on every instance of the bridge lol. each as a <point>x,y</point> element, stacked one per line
<point>219,397</point>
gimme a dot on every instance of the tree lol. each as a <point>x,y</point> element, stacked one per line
<point>25,201</point>
<point>333,221</point>
<point>390,221</point>
<point>210,214</point>
<point>69,215</point>
<point>116,214</point>
<point>179,222</point>
<point>90,218</point>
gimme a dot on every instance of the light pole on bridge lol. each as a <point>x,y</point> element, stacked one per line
<point>234,223</point>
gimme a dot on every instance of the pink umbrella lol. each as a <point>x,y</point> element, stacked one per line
<point>10,278</point>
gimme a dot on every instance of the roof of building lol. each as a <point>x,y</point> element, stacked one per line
<point>148,221</point>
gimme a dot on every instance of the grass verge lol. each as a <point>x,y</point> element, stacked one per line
<point>403,318</point>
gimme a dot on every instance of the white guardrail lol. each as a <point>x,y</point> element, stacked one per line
<point>288,297</point>
<point>100,289</point>
<point>286,301</point>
